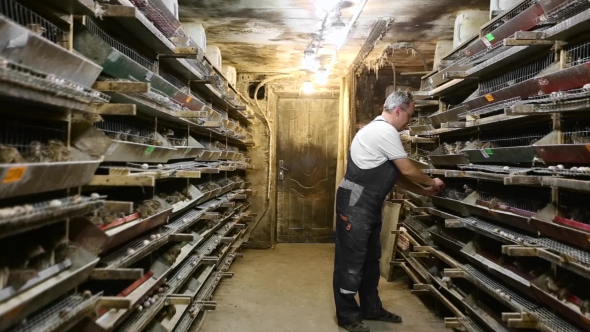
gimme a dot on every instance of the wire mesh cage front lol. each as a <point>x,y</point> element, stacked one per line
<point>574,206</point>
<point>32,141</point>
<point>165,23</point>
<point>565,10</point>
<point>576,131</point>
<point>577,54</point>
<point>17,74</point>
<point>515,76</point>
<point>33,21</point>
<point>129,131</point>
<point>510,15</point>
<point>458,189</point>
<point>142,60</point>
<point>491,108</point>
<point>512,138</point>
<point>522,198</point>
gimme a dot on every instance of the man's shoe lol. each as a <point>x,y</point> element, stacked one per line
<point>356,327</point>
<point>385,316</point>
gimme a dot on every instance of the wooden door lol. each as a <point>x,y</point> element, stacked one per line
<point>307,155</point>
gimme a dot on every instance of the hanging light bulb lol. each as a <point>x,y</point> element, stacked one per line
<point>321,76</point>
<point>307,87</point>
<point>309,59</point>
<point>338,24</point>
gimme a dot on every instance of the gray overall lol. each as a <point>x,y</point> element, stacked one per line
<point>359,201</point>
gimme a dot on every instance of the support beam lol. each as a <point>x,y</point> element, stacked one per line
<point>409,272</point>
<point>117,11</point>
<point>111,302</point>
<point>523,180</point>
<point>519,251</point>
<point>179,300</point>
<point>454,223</point>
<point>227,240</point>
<point>527,42</point>
<point>210,260</point>
<point>121,87</point>
<point>192,114</point>
<point>421,254</point>
<point>117,109</point>
<point>421,287</point>
<point>210,216</point>
<point>122,181</point>
<point>455,273</point>
<point>116,274</point>
<point>454,323</point>
<point>207,305</point>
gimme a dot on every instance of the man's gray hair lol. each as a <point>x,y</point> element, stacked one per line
<point>398,99</point>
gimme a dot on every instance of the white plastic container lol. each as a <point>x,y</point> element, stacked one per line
<point>443,47</point>
<point>467,25</point>
<point>172,5</point>
<point>498,6</point>
<point>230,73</point>
<point>197,33</point>
<point>214,56</point>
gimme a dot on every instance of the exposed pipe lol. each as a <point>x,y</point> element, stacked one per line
<point>421,57</point>
<point>360,8</point>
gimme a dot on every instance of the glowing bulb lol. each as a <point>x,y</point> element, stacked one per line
<point>321,76</point>
<point>307,87</point>
<point>309,63</point>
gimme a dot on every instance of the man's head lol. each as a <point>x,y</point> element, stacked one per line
<point>399,109</point>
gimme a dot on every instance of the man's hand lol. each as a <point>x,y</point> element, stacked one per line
<point>431,191</point>
<point>439,184</point>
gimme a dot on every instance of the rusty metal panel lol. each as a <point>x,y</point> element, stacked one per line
<point>306,151</point>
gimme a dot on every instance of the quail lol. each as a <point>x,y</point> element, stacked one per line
<point>10,155</point>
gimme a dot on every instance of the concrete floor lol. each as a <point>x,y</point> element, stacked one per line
<point>289,288</point>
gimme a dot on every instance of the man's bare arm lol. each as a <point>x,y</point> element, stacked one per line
<point>413,174</point>
<point>406,184</point>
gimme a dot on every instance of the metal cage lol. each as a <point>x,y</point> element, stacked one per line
<point>33,21</point>
<point>129,52</point>
<point>515,76</point>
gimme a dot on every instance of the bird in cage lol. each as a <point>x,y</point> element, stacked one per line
<point>447,148</point>
<point>493,203</point>
<point>563,294</point>
<point>99,9</point>
<point>56,151</point>
<point>171,254</point>
<point>153,140</point>
<point>468,189</point>
<point>92,118</point>
<point>166,132</point>
<point>35,152</point>
<point>10,155</point>
<point>458,147</point>
<point>575,214</point>
<point>37,29</point>
<point>552,285</point>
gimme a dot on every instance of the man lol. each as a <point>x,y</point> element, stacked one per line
<point>376,163</point>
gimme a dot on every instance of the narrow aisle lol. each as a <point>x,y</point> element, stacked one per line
<point>289,288</point>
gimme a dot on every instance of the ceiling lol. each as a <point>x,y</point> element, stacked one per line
<point>270,36</point>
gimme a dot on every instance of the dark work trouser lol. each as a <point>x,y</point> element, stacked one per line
<point>356,263</point>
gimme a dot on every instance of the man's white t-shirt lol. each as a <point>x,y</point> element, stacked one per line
<point>375,144</point>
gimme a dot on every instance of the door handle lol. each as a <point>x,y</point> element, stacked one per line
<point>282,170</point>
<point>282,166</point>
